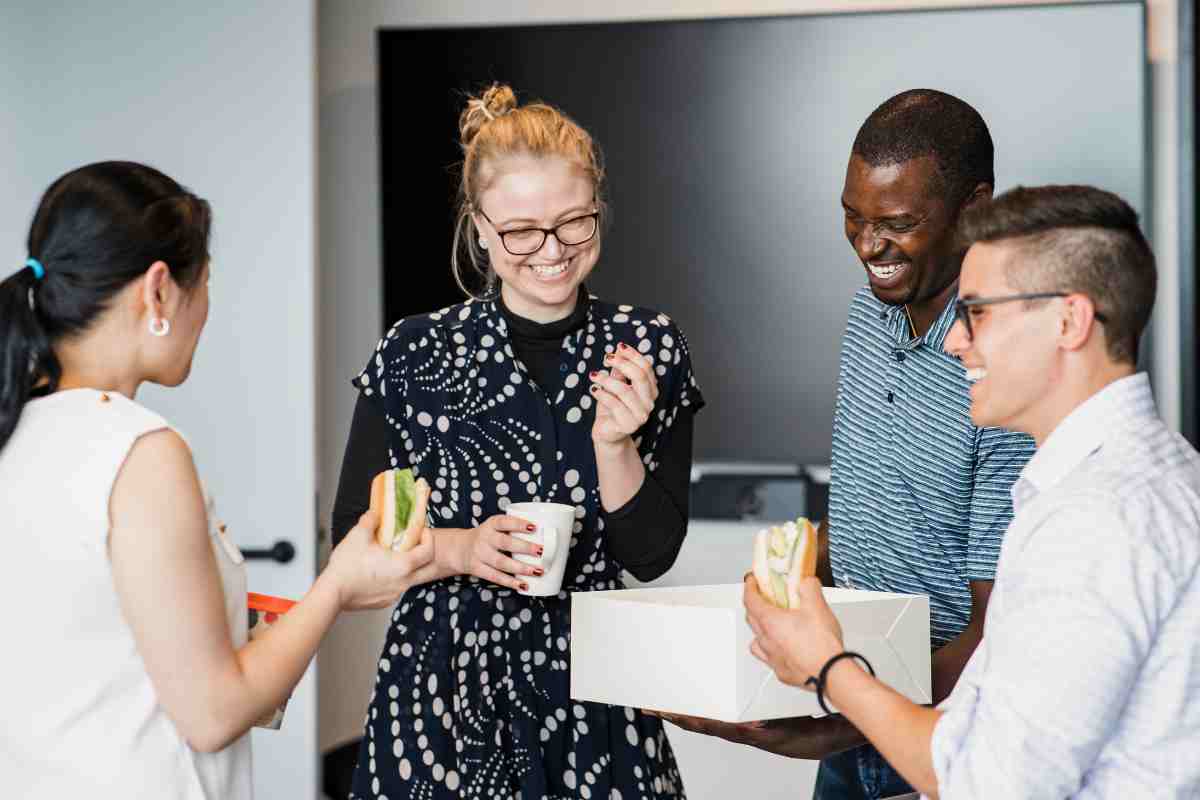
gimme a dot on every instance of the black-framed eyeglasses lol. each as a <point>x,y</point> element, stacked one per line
<point>527,241</point>
<point>961,307</point>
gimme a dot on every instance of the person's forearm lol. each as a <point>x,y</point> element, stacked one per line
<point>950,660</point>
<point>833,735</point>
<point>449,558</point>
<point>645,534</point>
<point>810,738</point>
<point>620,471</point>
<point>901,730</point>
<point>365,456</point>
<point>266,670</point>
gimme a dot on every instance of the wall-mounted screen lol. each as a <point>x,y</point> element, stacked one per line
<point>726,142</point>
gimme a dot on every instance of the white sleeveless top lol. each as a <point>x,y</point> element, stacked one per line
<point>81,718</point>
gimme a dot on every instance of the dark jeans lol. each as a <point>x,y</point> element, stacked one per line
<point>858,774</point>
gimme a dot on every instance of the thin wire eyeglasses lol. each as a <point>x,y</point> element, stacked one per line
<point>962,307</point>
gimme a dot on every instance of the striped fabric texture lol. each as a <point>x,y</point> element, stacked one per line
<point>919,497</point>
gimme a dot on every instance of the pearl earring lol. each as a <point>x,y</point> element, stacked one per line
<point>482,243</point>
<point>160,326</point>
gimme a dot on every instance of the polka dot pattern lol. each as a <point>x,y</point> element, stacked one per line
<point>472,698</point>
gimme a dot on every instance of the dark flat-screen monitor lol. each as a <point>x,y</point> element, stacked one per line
<point>726,143</point>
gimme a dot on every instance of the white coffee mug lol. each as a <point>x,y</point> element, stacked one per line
<point>555,523</point>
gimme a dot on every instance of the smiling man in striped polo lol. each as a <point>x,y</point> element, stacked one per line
<point>919,498</point>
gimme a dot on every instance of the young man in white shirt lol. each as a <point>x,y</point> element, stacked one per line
<point>1085,684</point>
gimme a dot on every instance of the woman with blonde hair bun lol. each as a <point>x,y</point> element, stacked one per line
<point>531,390</point>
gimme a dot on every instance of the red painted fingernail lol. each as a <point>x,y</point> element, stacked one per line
<point>538,572</point>
<point>540,551</point>
<point>531,528</point>
<point>593,375</point>
<point>524,587</point>
<point>593,388</point>
<point>623,346</point>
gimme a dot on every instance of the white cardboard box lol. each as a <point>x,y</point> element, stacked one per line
<point>686,650</point>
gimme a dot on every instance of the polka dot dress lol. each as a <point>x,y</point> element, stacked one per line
<point>472,695</point>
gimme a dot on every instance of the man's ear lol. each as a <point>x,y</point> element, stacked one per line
<point>1077,321</point>
<point>982,193</point>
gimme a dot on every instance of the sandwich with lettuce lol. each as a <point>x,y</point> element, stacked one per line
<point>401,504</point>
<point>783,556</point>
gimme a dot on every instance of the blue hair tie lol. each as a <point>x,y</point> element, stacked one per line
<point>39,271</point>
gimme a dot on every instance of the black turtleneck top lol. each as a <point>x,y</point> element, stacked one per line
<point>644,535</point>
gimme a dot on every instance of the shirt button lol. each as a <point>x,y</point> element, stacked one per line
<point>900,356</point>
<point>562,367</point>
<point>891,397</point>
<point>883,314</point>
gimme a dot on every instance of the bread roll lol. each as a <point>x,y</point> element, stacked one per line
<point>783,556</point>
<point>402,505</point>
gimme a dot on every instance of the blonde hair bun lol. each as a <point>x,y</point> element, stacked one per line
<point>492,127</point>
<point>496,101</point>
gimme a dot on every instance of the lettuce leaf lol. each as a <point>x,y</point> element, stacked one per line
<point>406,496</point>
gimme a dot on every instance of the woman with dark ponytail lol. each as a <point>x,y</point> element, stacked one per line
<point>132,676</point>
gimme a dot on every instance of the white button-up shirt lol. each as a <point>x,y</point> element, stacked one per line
<point>1087,681</point>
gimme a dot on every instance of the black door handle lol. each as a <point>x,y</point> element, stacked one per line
<point>282,551</point>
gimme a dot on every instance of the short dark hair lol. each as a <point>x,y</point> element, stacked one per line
<point>926,122</point>
<point>1078,239</point>
<point>96,230</point>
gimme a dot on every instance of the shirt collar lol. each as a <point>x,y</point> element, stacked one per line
<point>1124,403</point>
<point>935,337</point>
<point>527,329</point>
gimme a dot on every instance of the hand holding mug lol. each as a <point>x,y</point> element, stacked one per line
<point>488,550</point>
<point>553,524</point>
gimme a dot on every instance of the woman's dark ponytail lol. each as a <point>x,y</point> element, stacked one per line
<point>97,229</point>
<point>24,348</point>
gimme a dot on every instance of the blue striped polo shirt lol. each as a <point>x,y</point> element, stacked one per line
<point>919,497</point>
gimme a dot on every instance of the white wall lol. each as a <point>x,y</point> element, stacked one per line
<point>221,96</point>
<point>350,229</point>
<point>19,119</point>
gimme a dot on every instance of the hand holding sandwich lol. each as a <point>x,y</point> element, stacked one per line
<point>795,630</point>
<point>797,641</point>
<point>791,621</point>
<point>368,575</point>
<point>778,595</point>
